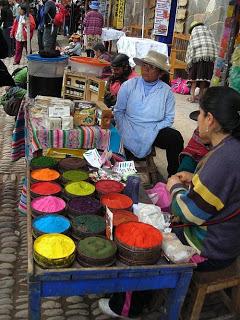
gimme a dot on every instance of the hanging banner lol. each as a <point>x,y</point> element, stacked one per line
<point>118,16</point>
<point>162,14</point>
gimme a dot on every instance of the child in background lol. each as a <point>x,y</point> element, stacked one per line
<point>74,48</point>
<point>19,32</point>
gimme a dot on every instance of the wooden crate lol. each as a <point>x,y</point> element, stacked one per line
<point>95,89</point>
<point>74,85</point>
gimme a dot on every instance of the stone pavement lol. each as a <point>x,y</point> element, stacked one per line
<point>13,239</point>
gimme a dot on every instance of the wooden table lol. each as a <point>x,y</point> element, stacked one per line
<point>81,281</point>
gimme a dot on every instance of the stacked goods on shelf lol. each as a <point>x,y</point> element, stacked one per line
<point>70,219</point>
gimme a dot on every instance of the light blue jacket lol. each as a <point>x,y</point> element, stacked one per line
<point>139,118</point>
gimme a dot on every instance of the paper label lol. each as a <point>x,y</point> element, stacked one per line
<point>59,111</point>
<point>93,158</point>
<point>109,224</point>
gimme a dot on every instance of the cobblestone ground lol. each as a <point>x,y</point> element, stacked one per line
<point>13,240</point>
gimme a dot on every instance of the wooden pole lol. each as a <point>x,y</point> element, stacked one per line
<point>143,19</point>
<point>109,13</point>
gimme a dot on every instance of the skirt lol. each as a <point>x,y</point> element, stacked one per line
<point>90,40</point>
<point>201,71</point>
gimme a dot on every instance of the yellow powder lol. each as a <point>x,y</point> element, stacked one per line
<point>80,188</point>
<point>54,246</point>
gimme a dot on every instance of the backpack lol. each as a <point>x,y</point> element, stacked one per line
<point>59,17</point>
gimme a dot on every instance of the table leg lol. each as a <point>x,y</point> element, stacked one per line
<point>177,295</point>
<point>34,296</point>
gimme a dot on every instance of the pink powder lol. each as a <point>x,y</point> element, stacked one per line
<point>48,204</point>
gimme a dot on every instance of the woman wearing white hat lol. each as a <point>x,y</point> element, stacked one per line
<point>145,110</point>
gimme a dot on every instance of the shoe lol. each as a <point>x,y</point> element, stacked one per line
<point>103,305</point>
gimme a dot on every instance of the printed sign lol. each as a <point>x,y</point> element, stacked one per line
<point>162,14</point>
<point>118,17</point>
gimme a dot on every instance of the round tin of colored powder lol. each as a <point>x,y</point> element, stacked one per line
<point>108,186</point>
<point>96,251</point>
<point>43,162</point>
<point>45,189</point>
<point>44,175</point>
<point>72,163</point>
<point>47,204</point>
<point>81,188</point>
<point>54,250</point>
<point>74,176</point>
<point>116,201</point>
<point>88,225</point>
<point>83,205</point>
<point>122,216</point>
<point>50,223</point>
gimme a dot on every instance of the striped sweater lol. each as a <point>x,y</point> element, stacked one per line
<point>214,194</point>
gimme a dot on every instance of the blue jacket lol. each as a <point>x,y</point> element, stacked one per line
<point>139,117</point>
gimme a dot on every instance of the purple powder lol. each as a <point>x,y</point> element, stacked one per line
<point>84,205</point>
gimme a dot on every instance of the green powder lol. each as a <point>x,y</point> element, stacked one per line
<point>89,223</point>
<point>43,162</point>
<point>96,247</point>
<point>75,175</point>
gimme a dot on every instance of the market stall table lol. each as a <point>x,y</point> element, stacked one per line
<point>109,34</point>
<point>84,137</point>
<point>138,48</point>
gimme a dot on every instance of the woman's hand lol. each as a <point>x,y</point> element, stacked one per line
<point>185,177</point>
<point>172,181</point>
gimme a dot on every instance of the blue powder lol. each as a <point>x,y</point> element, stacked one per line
<point>51,223</point>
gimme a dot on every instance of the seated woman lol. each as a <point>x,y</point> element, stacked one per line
<point>213,195</point>
<point>101,53</point>
<point>211,204</point>
<point>122,72</point>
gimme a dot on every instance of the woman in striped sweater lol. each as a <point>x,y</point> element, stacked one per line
<point>206,200</point>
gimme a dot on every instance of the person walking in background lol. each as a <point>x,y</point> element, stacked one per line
<point>50,30</point>
<point>93,24</point>
<point>40,22</point>
<point>19,32</point>
<point>6,21</point>
<point>200,57</point>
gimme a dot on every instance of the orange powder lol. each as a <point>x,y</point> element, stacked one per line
<point>138,235</point>
<point>45,174</point>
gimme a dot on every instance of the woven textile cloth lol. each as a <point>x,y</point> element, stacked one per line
<point>29,135</point>
<point>201,46</point>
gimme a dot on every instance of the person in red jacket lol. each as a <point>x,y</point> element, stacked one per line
<point>19,32</point>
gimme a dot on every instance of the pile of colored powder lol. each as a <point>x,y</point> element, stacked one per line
<point>116,201</point>
<point>80,188</point>
<point>96,247</point>
<point>45,188</point>
<point>48,204</point>
<point>75,175</point>
<point>72,163</point>
<point>89,223</point>
<point>54,246</point>
<point>45,174</point>
<point>51,224</point>
<point>138,235</point>
<point>84,205</point>
<point>122,216</point>
<point>43,162</point>
<point>107,186</point>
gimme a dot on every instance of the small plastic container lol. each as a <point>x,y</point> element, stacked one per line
<point>88,65</point>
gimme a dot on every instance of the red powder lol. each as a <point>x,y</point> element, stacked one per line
<point>107,186</point>
<point>121,216</point>
<point>138,235</point>
<point>116,201</point>
<point>45,188</point>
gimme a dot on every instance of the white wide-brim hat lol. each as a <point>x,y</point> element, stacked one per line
<point>155,59</point>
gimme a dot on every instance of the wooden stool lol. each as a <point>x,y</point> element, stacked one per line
<point>146,166</point>
<point>209,282</point>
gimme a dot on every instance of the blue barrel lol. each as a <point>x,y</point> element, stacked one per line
<point>46,75</point>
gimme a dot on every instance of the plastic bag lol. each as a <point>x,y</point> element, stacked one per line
<point>174,250</point>
<point>160,196</point>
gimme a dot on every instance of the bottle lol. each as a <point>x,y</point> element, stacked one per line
<point>132,188</point>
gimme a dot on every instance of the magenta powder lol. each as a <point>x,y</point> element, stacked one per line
<point>48,204</point>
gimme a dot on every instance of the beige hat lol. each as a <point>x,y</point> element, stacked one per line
<point>155,59</point>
